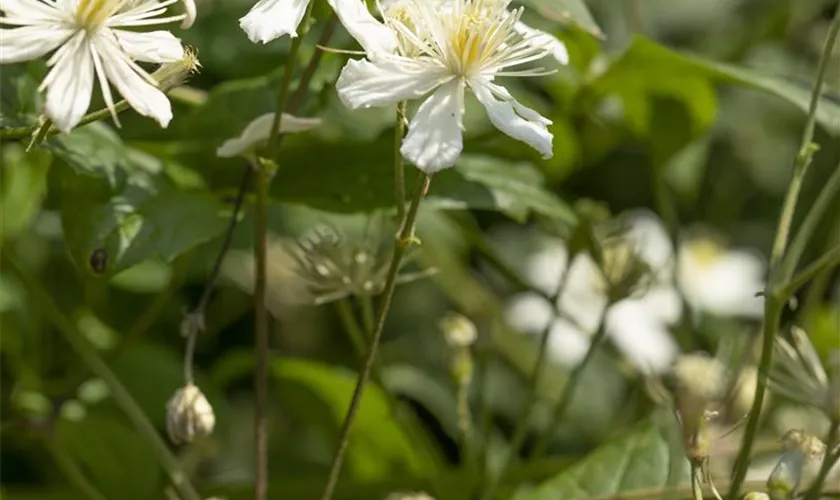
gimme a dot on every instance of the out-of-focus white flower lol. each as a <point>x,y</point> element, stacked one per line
<point>720,281</point>
<point>92,40</point>
<point>258,131</point>
<point>440,48</point>
<point>271,19</point>
<point>638,325</point>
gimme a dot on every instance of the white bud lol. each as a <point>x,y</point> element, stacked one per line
<point>259,130</point>
<point>784,480</point>
<point>458,330</point>
<point>188,415</point>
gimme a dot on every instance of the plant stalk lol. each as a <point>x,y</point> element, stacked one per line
<point>399,167</point>
<point>773,302</point>
<point>99,368</point>
<point>262,181</point>
<point>404,240</point>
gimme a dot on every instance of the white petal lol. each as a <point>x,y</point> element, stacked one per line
<point>645,341</point>
<point>142,96</point>
<point>70,84</point>
<point>363,84</point>
<point>30,42</point>
<point>154,47</point>
<point>567,344</point>
<point>271,19</point>
<point>528,312</point>
<point>372,35</point>
<point>650,238</point>
<point>546,267</point>
<point>583,298</point>
<point>189,12</point>
<point>434,140</point>
<point>258,131</point>
<point>512,118</point>
<point>541,38</point>
<point>33,11</point>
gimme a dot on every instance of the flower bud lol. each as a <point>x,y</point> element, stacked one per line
<point>418,495</point>
<point>188,415</point>
<point>458,330</point>
<point>785,477</point>
<point>756,495</point>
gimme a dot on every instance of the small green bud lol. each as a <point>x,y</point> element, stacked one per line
<point>756,495</point>
<point>458,330</point>
<point>785,477</point>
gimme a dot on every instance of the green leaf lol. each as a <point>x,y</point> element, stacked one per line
<point>19,96</point>
<point>640,460</point>
<point>380,448</point>
<point>118,460</point>
<point>567,11</point>
<point>23,187</point>
<point>118,208</point>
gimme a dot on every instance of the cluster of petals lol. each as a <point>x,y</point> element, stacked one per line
<point>432,50</point>
<point>93,40</point>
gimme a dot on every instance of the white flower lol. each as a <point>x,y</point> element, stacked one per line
<point>637,325</point>
<point>271,19</point>
<point>258,131</point>
<point>441,48</point>
<point>720,281</point>
<point>92,39</point>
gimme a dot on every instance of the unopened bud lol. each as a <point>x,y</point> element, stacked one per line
<point>419,495</point>
<point>696,380</point>
<point>171,75</point>
<point>756,495</point>
<point>188,415</point>
<point>458,330</point>
<point>785,477</point>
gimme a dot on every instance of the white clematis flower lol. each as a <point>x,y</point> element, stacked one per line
<point>258,131</point>
<point>92,40</point>
<point>637,325</point>
<point>441,48</point>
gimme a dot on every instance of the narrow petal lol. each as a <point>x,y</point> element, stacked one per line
<point>33,10</point>
<point>372,35</point>
<point>512,118</point>
<point>434,140</point>
<point>546,40</point>
<point>271,19</point>
<point>154,47</point>
<point>70,84</point>
<point>30,42</point>
<point>189,12</point>
<point>365,84</point>
<point>259,130</point>
<point>131,84</point>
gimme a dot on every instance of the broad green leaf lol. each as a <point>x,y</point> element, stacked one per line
<point>23,187</point>
<point>647,63</point>
<point>639,460</point>
<point>19,96</point>
<point>380,447</point>
<point>151,374</point>
<point>568,11</point>
<point>117,459</point>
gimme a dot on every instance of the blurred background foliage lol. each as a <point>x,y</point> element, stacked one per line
<point>702,103</point>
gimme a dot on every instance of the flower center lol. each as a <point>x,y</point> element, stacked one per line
<point>704,252</point>
<point>93,14</point>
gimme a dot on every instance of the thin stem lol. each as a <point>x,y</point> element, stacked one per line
<point>368,320</point>
<point>39,135</point>
<point>773,303</point>
<point>809,225</point>
<point>308,72</point>
<point>73,472</point>
<point>263,179</point>
<point>197,315</point>
<point>399,167</point>
<point>404,240</point>
<point>828,460</point>
<point>522,425</point>
<point>827,261</point>
<point>283,92</point>
<point>569,387</point>
<point>92,359</point>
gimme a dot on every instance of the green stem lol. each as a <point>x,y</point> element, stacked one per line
<point>399,167</point>
<point>261,354</point>
<point>92,359</point>
<point>827,261</point>
<point>828,460</point>
<point>73,472</point>
<point>283,93</point>
<point>366,303</point>
<point>569,387</point>
<point>522,425</point>
<point>774,301</point>
<point>809,225</point>
<point>404,240</point>
<point>351,326</point>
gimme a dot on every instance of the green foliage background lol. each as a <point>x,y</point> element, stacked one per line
<point>709,100</point>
